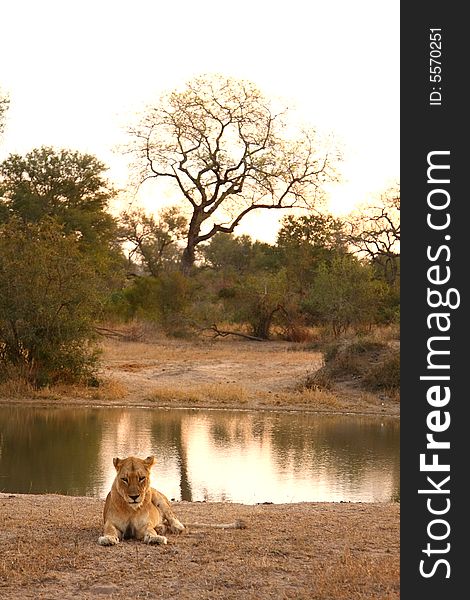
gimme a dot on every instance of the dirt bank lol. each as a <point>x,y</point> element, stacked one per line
<point>305,551</point>
<point>210,373</point>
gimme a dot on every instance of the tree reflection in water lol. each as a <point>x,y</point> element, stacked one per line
<point>213,455</point>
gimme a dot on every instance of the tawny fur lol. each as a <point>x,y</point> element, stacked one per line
<point>133,509</point>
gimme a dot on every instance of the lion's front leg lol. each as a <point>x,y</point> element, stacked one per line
<point>111,535</point>
<point>163,505</point>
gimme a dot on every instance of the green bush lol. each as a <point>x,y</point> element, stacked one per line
<point>165,300</point>
<point>344,294</point>
<point>259,300</point>
<point>49,297</point>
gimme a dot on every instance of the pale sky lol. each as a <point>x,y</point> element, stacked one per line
<point>77,72</point>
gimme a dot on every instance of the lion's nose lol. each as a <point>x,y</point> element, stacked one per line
<point>134,497</point>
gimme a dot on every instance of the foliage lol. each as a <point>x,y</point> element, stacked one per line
<point>344,293</point>
<point>375,364</point>
<point>389,308</point>
<point>231,255</point>
<point>66,185</point>
<point>220,142</point>
<point>71,188</point>
<point>49,297</point>
<point>258,299</point>
<point>153,241</point>
<point>385,374</point>
<point>227,253</point>
<point>315,230</point>
<point>305,242</point>
<point>165,300</point>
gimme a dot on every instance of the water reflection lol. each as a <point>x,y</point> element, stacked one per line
<point>203,455</point>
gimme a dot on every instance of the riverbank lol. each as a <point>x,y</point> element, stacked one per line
<point>221,373</point>
<point>314,551</point>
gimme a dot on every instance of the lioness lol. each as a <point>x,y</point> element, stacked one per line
<point>135,510</point>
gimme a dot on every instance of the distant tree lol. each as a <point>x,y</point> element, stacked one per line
<point>305,242</point>
<point>344,293</point>
<point>49,297</point>
<point>229,255</point>
<point>153,241</point>
<point>71,188</point>
<point>317,230</point>
<point>375,233</point>
<point>222,145</point>
<point>165,300</point>
<point>226,252</point>
<point>4,104</point>
<point>63,184</point>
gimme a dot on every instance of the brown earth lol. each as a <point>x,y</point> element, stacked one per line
<point>49,550</point>
<point>211,374</point>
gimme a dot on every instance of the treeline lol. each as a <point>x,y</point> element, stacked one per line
<point>320,271</point>
<point>66,264</point>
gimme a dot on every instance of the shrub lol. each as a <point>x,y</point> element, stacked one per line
<point>259,301</point>
<point>385,374</point>
<point>372,364</point>
<point>165,300</point>
<point>49,296</point>
<point>344,293</point>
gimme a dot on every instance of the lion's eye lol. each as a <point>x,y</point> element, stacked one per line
<point>125,480</point>
<point>142,479</point>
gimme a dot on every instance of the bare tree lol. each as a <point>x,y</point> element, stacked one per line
<point>375,233</point>
<point>228,153</point>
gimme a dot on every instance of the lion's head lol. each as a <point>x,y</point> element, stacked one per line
<point>133,478</point>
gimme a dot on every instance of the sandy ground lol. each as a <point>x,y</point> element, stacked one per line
<point>48,550</point>
<point>212,374</point>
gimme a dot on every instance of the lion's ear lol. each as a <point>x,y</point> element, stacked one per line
<point>117,462</point>
<point>149,461</point>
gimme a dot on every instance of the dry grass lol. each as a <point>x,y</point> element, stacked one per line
<point>385,333</point>
<point>385,374</point>
<point>15,388</point>
<point>315,397</point>
<point>222,394</point>
<point>20,389</point>
<point>299,551</point>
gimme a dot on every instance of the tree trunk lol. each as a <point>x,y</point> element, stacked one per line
<point>187,259</point>
<point>189,253</point>
<point>262,325</point>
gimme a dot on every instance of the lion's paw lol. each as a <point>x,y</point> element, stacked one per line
<point>176,526</point>
<point>108,540</point>
<point>161,529</point>
<point>152,538</point>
